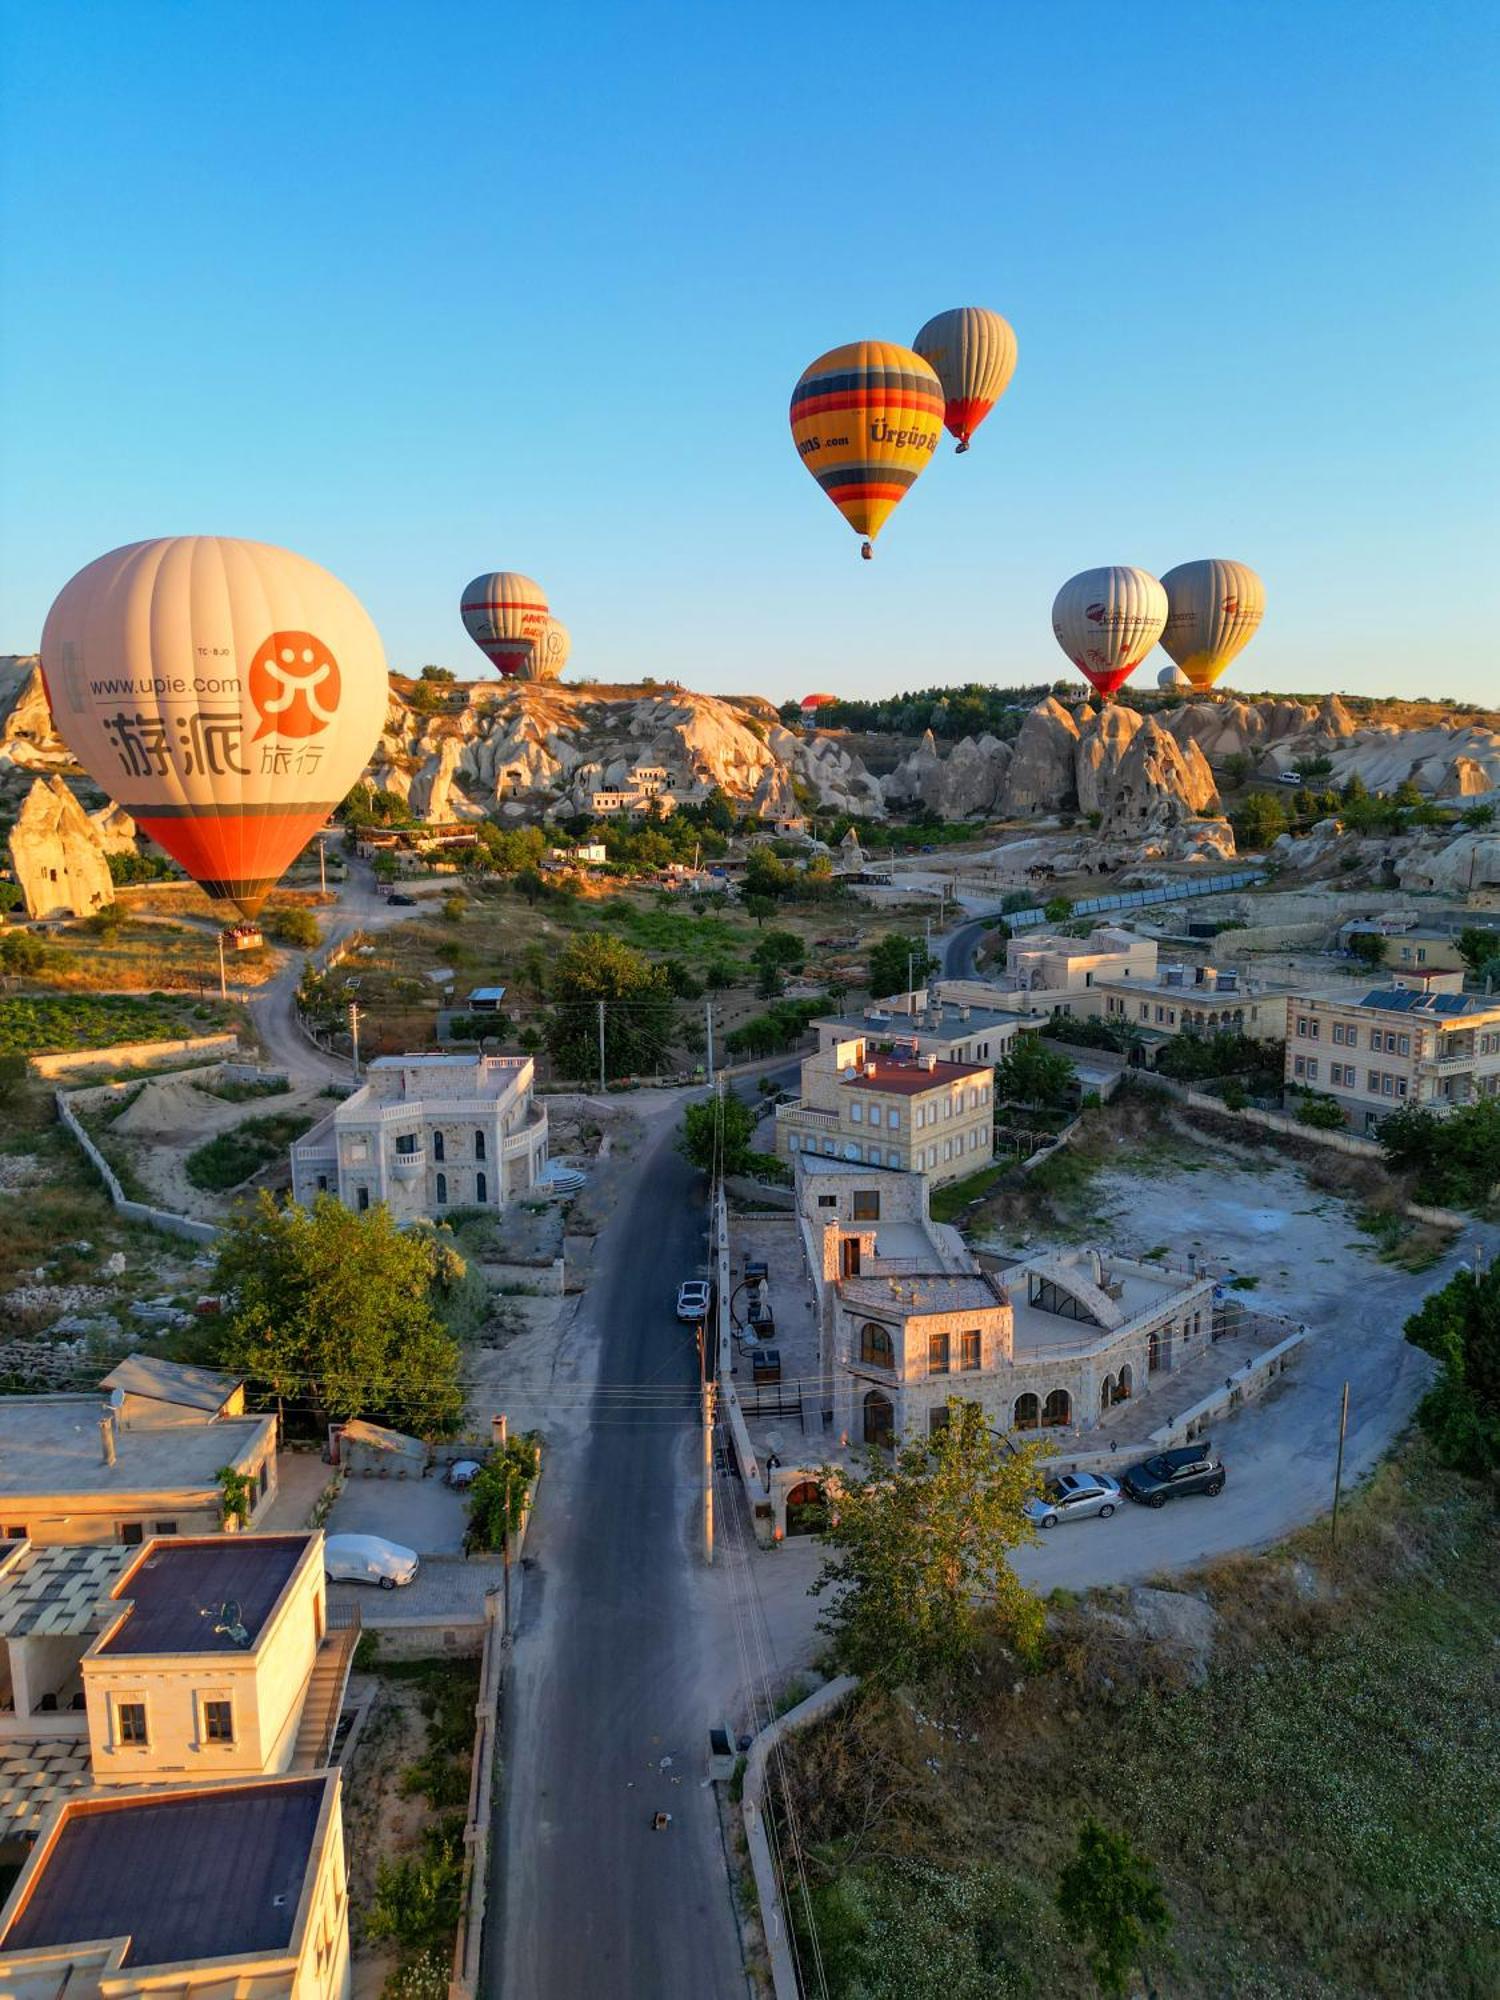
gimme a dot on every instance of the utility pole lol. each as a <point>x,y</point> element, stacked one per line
<point>354,1035</point>
<point>601,1046</point>
<point>708,1455</point>
<point>1338,1476</point>
<point>223,983</point>
<point>708,1009</point>
<point>322,867</point>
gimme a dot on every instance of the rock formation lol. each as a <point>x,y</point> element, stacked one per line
<point>27,742</point>
<point>1042,778</point>
<point>58,855</point>
<point>1101,746</point>
<point>970,779</point>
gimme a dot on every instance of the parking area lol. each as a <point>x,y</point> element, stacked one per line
<point>422,1514</point>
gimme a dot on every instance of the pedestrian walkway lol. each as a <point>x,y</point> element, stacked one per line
<point>300,1479</point>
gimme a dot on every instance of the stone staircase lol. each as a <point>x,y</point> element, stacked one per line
<point>325,1689</point>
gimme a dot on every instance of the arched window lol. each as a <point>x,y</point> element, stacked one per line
<point>437,1146</point>
<point>1026,1413</point>
<point>442,1190</point>
<point>876,1348</point>
<point>1106,1392</point>
<point>1153,1351</point>
<point>1057,1411</point>
<point>478,1144</point>
<point>806,1510</point>
<point>1126,1384</point>
<point>880,1419</point>
<point>481,1189</point>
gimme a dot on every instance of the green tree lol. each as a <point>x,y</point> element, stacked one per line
<point>12,1077</point>
<point>1237,766</point>
<point>1321,1112</point>
<point>1029,1074</point>
<point>497,1497</point>
<point>334,1313</point>
<point>1460,1325</point>
<point>292,923</point>
<point>1476,945</point>
<point>1477,818</point>
<point>21,952</point>
<point>1109,1898</point>
<point>1057,909</point>
<point>444,676</point>
<point>638,1011</point>
<point>1368,946</point>
<point>918,1554</point>
<point>716,1134</point>
<point>760,907</point>
<point>900,965</point>
<point>11,898</point>
<point>1259,820</point>
<point>782,949</point>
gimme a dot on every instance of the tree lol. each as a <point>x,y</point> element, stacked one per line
<point>900,965</point>
<point>760,907</point>
<point>1460,1325</point>
<point>1109,1898</point>
<point>334,1313</point>
<point>1321,1113</point>
<point>1057,910</point>
<point>12,1077</point>
<point>1237,766</point>
<point>1476,945</point>
<point>638,1013</point>
<point>782,949</point>
<point>291,923</point>
<point>1368,946</point>
<point>10,894</point>
<point>1477,818</point>
<point>1259,820</point>
<point>919,1551</point>
<point>1029,1074</point>
<point>21,952</point>
<point>444,676</point>
<point>716,1134</point>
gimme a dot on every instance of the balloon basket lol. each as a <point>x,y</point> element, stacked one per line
<point>867,551</point>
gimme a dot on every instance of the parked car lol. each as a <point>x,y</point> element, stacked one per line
<point>692,1300</point>
<point>368,1559</point>
<point>402,902</point>
<point>1073,1496</point>
<point>1192,1468</point>
<point>463,1472</point>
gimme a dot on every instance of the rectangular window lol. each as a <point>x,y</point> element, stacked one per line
<point>828,1201</point>
<point>857,1112</point>
<point>947,1149</point>
<point>1388,1085</point>
<point>406,1145</point>
<point>263,1477</point>
<point>132,1533</point>
<point>1372,1081</point>
<point>362,1199</point>
<point>969,1350</point>
<point>894,1120</point>
<point>937,1420</point>
<point>874,1114</point>
<point>130,1722</point>
<point>164,1527</point>
<point>866,1205</point>
<point>478,1144</point>
<point>893,1159</point>
<point>1403,1045</point>
<point>1401,1086</point>
<point>1315,1028</point>
<point>1302,1024</point>
<point>1312,1069</point>
<point>218,1721</point>
<point>1299,1066</point>
<point>937,1354</point>
<point>793,1143</point>
<point>16,1534</point>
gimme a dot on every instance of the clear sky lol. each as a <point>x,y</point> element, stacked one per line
<point>424,290</point>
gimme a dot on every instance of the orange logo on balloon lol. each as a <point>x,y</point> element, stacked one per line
<point>295,685</point>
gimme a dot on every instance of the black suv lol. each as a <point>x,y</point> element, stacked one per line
<point>1192,1468</point>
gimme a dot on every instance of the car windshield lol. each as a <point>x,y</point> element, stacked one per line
<point>1158,1468</point>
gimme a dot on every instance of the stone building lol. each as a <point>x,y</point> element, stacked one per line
<point>1417,1041</point>
<point>426,1134</point>
<point>914,1112</point>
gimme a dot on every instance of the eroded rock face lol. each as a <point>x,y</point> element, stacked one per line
<point>970,779</point>
<point>58,855</point>
<point>1042,776</point>
<point>27,741</point>
<point>1470,862</point>
<point>1101,747</point>
<point>1157,785</point>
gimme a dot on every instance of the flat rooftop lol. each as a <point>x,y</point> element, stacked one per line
<point>49,1445</point>
<point>907,1079</point>
<point>186,1595</point>
<point>208,1874</point>
<point>923,1291</point>
<point>937,1024</point>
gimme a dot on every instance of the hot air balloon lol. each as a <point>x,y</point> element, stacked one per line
<point>551,652</point>
<point>1214,609</point>
<point>973,353</point>
<point>1173,678</point>
<point>866,419</point>
<point>504,613</point>
<point>1107,621</point>
<point>226,694</point>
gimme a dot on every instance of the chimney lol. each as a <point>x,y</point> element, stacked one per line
<point>932,1062</point>
<point>870,1069</point>
<point>107,1437</point>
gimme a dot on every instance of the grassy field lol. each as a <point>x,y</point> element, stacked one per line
<point>243,1150</point>
<point>1323,1811</point>
<point>43,1023</point>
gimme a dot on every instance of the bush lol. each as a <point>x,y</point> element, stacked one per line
<point>1322,1114</point>
<point>292,923</point>
<point>234,1156</point>
<point>416,1900</point>
<point>497,1499</point>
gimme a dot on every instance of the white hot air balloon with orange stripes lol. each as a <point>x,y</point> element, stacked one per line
<point>505,614</point>
<point>1214,609</point>
<point>225,693</point>
<point>1107,621</point>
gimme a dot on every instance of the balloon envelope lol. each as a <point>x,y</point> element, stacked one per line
<point>505,613</point>
<point>866,419</point>
<point>973,353</point>
<point>550,654</point>
<point>1107,621</point>
<point>1214,609</point>
<point>225,693</point>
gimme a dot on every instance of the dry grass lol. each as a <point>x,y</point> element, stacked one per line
<point>1324,1811</point>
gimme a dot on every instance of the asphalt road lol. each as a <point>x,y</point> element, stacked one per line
<point>959,948</point>
<point>607,1672</point>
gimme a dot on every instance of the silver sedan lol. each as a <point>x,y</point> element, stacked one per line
<point>1072,1496</point>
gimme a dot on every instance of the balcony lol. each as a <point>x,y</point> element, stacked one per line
<point>410,1165</point>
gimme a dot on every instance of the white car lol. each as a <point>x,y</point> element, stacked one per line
<point>1074,1496</point>
<point>692,1301</point>
<point>368,1559</point>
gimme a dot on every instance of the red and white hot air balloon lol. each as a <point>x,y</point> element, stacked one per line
<point>1107,621</point>
<point>225,693</point>
<point>505,614</point>
<point>973,353</point>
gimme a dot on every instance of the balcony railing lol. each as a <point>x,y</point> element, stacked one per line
<point>408,1165</point>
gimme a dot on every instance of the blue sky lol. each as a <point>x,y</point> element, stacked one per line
<point>422,291</point>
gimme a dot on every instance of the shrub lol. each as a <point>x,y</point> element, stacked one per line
<point>416,1900</point>
<point>497,1499</point>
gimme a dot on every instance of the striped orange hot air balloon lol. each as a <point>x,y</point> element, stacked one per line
<point>866,419</point>
<point>225,693</point>
<point>505,614</point>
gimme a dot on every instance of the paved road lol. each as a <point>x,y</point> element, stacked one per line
<point>608,1663</point>
<point>959,948</point>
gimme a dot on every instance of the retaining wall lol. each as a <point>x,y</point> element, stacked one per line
<point>133,1211</point>
<point>135,1055</point>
